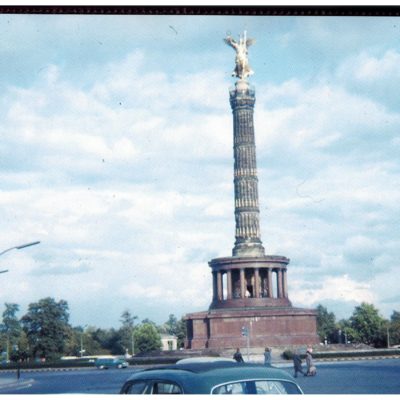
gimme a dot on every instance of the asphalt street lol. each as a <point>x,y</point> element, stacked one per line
<point>346,377</point>
<point>353,377</point>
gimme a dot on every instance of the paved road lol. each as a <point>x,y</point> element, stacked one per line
<point>353,377</point>
<point>348,377</point>
<point>84,380</point>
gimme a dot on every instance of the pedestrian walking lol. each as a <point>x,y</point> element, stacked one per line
<point>238,356</point>
<point>267,357</point>
<point>311,370</point>
<point>297,364</point>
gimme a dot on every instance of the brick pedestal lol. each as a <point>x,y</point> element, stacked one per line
<point>220,329</point>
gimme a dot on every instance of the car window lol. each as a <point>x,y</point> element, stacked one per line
<point>231,388</point>
<point>270,387</point>
<point>166,388</point>
<point>257,387</point>
<point>136,388</point>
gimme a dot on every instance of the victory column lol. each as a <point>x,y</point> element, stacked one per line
<point>249,288</point>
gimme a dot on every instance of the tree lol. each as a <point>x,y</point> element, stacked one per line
<point>20,350</point>
<point>11,325</point>
<point>46,326</point>
<point>395,317</point>
<point>147,338</point>
<point>92,346</point>
<point>126,332</point>
<point>350,335</point>
<point>394,328</point>
<point>10,329</point>
<point>368,324</point>
<point>326,324</point>
<point>171,326</point>
<point>177,328</point>
<point>150,322</point>
<point>102,337</point>
<point>114,342</point>
<point>72,342</point>
<point>127,319</point>
<point>181,333</point>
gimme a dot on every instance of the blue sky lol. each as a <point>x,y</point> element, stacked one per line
<point>116,154</point>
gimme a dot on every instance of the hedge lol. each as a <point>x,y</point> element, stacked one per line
<point>48,364</point>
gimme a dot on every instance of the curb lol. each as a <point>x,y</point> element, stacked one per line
<point>49,369</point>
<point>4,371</point>
<point>356,358</point>
<point>16,384</point>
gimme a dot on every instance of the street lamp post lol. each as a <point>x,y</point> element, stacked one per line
<point>82,349</point>
<point>387,336</point>
<point>133,342</point>
<point>22,246</point>
<point>81,344</point>
<point>8,348</point>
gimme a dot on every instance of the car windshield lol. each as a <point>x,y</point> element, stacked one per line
<point>257,387</point>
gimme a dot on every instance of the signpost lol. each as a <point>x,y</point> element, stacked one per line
<point>246,333</point>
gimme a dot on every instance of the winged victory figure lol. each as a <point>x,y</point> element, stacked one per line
<point>242,69</point>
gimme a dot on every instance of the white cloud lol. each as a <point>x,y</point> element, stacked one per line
<point>361,249</point>
<point>341,288</point>
<point>372,75</point>
<point>367,68</point>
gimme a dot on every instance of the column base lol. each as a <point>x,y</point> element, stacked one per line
<point>248,248</point>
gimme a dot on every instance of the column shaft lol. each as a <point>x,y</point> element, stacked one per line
<point>270,293</point>
<point>219,284</point>
<point>247,218</point>
<point>285,287</point>
<point>215,286</point>
<point>280,291</point>
<point>256,283</point>
<point>229,284</point>
<point>242,284</point>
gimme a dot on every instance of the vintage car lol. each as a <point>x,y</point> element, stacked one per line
<point>211,378</point>
<point>110,362</point>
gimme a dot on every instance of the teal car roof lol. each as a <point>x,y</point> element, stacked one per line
<point>202,377</point>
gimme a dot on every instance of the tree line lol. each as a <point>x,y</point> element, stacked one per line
<point>44,333</point>
<point>365,325</point>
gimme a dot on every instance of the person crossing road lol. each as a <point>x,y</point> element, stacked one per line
<point>297,364</point>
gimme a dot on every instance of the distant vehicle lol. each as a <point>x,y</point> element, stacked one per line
<point>221,377</point>
<point>192,360</point>
<point>110,362</point>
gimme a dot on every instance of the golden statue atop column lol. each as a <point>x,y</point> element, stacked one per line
<point>242,68</point>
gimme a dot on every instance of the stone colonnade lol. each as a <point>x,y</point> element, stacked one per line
<point>253,280</point>
<point>249,283</point>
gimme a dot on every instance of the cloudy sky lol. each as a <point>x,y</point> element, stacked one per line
<point>116,153</point>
